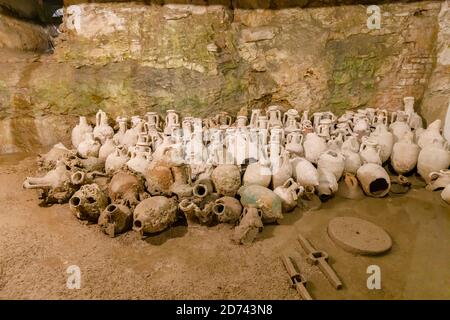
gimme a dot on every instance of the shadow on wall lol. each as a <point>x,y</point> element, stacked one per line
<point>255,4</point>
<point>40,11</point>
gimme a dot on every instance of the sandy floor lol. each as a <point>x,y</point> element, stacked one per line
<point>38,244</point>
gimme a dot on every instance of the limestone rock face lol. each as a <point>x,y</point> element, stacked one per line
<point>22,35</point>
<point>131,57</point>
<point>437,96</point>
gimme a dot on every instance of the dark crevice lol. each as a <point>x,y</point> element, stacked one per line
<point>262,4</point>
<point>45,12</point>
<point>37,11</point>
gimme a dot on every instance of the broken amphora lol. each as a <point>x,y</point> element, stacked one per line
<point>116,219</point>
<point>126,188</point>
<point>438,180</point>
<point>226,179</point>
<point>154,214</point>
<point>181,186</point>
<point>374,180</point>
<point>203,186</point>
<point>159,180</point>
<point>445,195</point>
<point>262,198</point>
<point>227,209</point>
<point>56,186</point>
<point>349,187</point>
<point>328,185</point>
<point>88,202</point>
<point>199,209</point>
<point>48,160</point>
<point>249,226</point>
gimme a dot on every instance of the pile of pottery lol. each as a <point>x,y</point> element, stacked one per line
<point>148,172</point>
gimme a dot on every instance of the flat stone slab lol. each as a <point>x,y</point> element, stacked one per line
<point>359,236</point>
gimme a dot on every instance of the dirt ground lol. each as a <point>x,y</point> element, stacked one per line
<point>38,244</point>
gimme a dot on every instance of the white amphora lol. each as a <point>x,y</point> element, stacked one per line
<point>415,121</point>
<point>79,131</point>
<point>89,147</point>
<point>294,143</point>
<point>289,192</point>
<point>405,154</point>
<point>433,157</point>
<point>116,160</point>
<point>431,134</point>
<point>256,113</point>
<point>223,119</point>
<point>332,161</point>
<point>253,148</point>
<point>242,146</point>
<point>131,136</point>
<point>313,147</point>
<point>381,117</point>
<point>290,121</point>
<point>370,152</point>
<point>102,130</point>
<point>304,172</point>
<point>399,125</point>
<point>171,119</point>
<point>258,173</point>
<point>281,169</point>
<point>361,126</point>
<point>118,137</point>
<point>241,122</point>
<point>153,119</point>
<point>106,149</point>
<point>140,160</point>
<point>274,115</point>
<point>384,139</point>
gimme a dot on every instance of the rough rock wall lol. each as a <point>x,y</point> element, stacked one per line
<point>23,125</point>
<point>437,96</point>
<point>250,4</point>
<point>197,57</point>
<point>22,35</point>
<point>130,57</point>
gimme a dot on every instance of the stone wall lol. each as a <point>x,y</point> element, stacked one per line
<point>126,58</point>
<point>437,95</point>
<point>22,35</point>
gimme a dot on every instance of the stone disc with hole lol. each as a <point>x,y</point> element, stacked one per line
<point>359,236</point>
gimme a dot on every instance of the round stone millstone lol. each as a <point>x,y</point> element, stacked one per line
<point>359,236</point>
